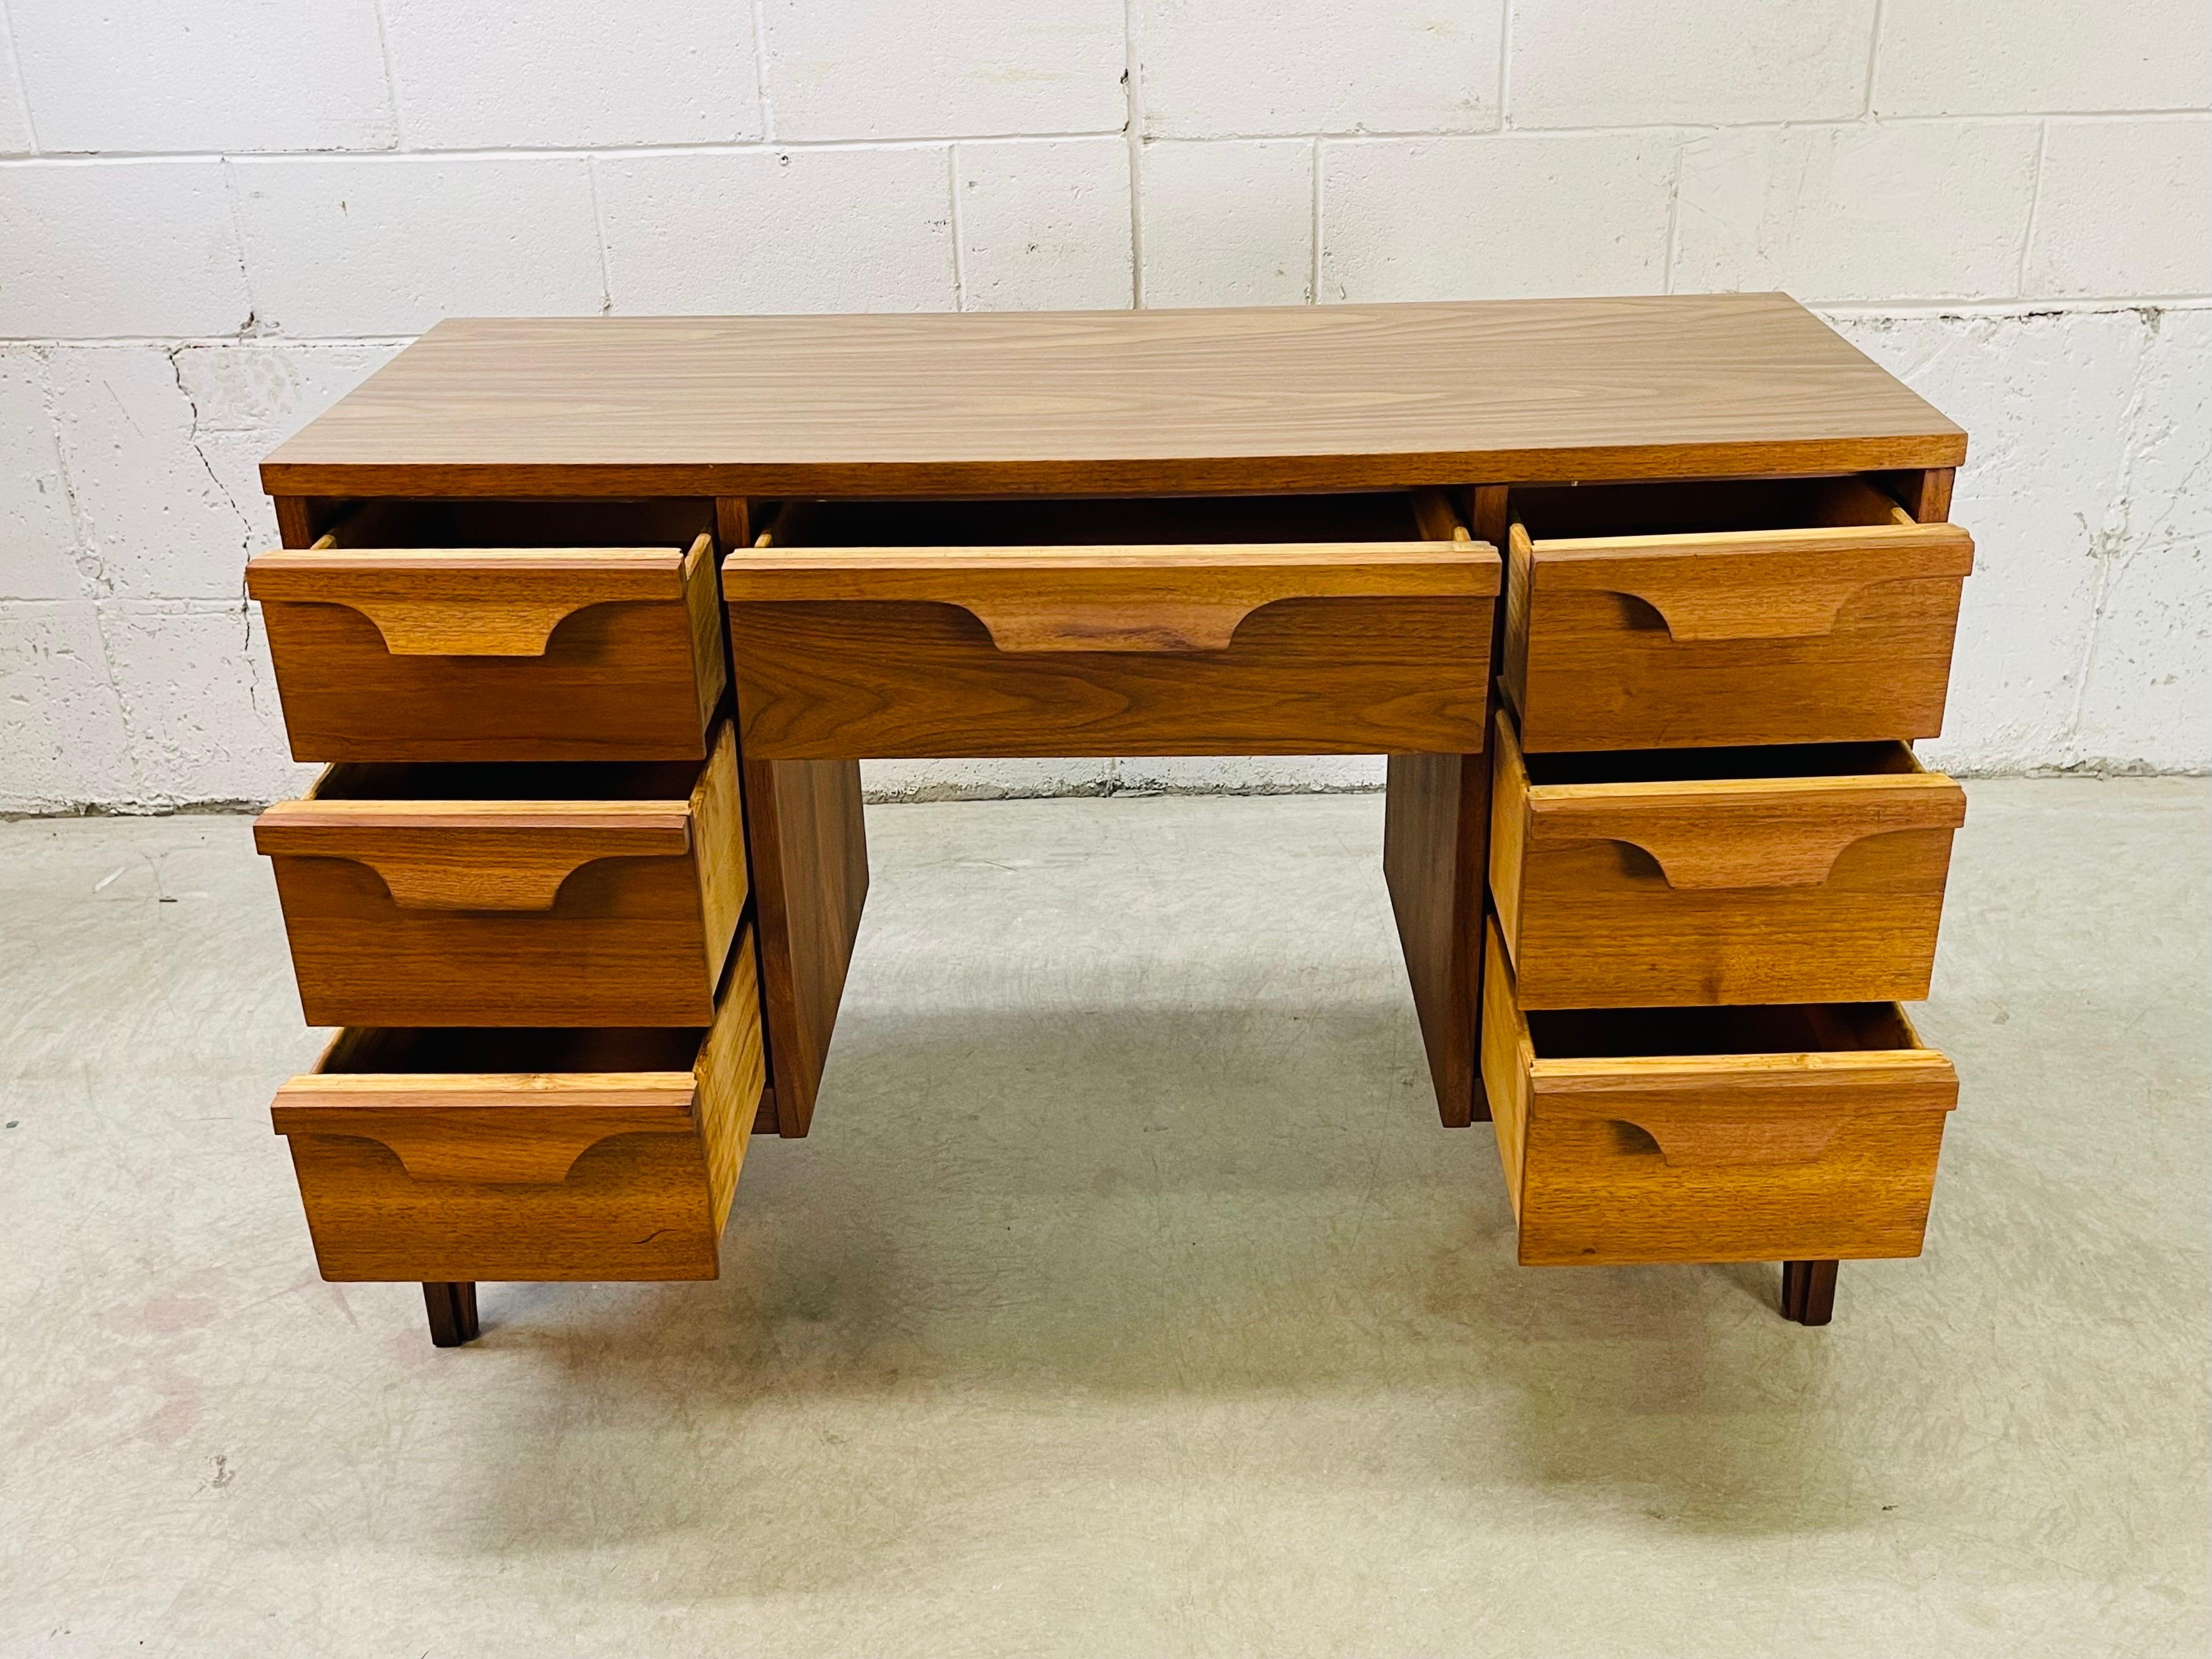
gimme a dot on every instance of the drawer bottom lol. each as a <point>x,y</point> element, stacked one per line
<point>1713,1135</point>
<point>455,1155</point>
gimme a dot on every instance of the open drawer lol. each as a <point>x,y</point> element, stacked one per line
<point>584,893</point>
<point>463,1155</point>
<point>1774,1134</point>
<point>1793,874</point>
<point>1206,625</point>
<point>1658,616</point>
<point>498,630</point>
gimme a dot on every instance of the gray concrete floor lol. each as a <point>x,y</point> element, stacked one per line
<point>1126,1299</point>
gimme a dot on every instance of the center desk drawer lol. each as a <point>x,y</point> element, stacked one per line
<point>581,893</point>
<point>1338,625</point>
<point>1659,616</point>
<point>1778,1133</point>
<point>442,1155</point>
<point>498,630</point>
<point>1795,873</point>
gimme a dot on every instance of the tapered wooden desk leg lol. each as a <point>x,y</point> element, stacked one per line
<point>452,1309</point>
<point>1808,1291</point>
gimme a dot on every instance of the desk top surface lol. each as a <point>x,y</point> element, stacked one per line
<point>1283,398</point>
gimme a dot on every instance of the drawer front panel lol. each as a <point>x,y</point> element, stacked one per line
<point>1601,674</point>
<point>633,1206</point>
<point>548,1174</point>
<point>1825,889</point>
<point>427,655</point>
<point>1604,1191</point>
<point>874,679</point>
<point>1601,928</point>
<point>623,945</point>
<point>1622,1157</point>
<point>1223,625</point>
<point>583,912</point>
<point>1826,633</point>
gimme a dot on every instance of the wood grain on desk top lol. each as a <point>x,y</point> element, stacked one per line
<point>1283,398</point>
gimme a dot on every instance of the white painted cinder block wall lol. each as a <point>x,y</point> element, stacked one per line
<point>216,216</point>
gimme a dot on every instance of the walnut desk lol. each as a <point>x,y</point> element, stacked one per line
<point>594,620</point>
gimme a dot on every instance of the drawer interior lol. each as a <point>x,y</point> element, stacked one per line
<point>1059,521</point>
<point>417,1051</point>
<point>1772,1029</point>
<point>1785,760</point>
<point>494,524</point>
<point>1677,509</point>
<point>531,780</point>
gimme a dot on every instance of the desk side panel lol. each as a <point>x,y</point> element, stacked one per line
<point>810,851</point>
<point>1436,842</point>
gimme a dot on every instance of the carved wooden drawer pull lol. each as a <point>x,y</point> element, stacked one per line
<point>1152,599</point>
<point>454,1129</point>
<point>469,602</point>
<point>476,855</point>
<point>1729,834</point>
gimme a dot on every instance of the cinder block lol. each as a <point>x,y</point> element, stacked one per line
<point>1250,774</point>
<point>2123,208</point>
<point>2145,687</point>
<point>15,122</point>
<point>2001,56</point>
<point>484,74</point>
<point>164,446</point>
<point>61,743</point>
<point>1495,217</point>
<point>38,534</point>
<point>2043,399</point>
<point>157,521</point>
<point>1228,223</point>
<point>199,703</point>
<point>984,779</point>
<point>1648,62</point>
<point>1173,774</point>
<point>1044,227</point>
<point>2147,701</point>
<point>779,230</point>
<point>1219,69</point>
<point>268,389</point>
<point>2170,431</point>
<point>93,249</point>
<point>1924,211</point>
<point>390,245</point>
<point>248,395</point>
<point>949,69</point>
<point>204,74</point>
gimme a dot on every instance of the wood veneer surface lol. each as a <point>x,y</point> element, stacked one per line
<point>1278,398</point>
